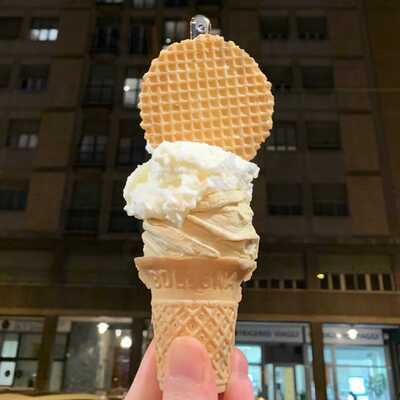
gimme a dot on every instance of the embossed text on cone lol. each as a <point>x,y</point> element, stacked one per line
<point>195,297</point>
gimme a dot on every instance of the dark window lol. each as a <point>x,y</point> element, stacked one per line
<point>349,279</point>
<point>300,284</point>
<point>288,284</point>
<point>131,89</point>
<point>119,220</point>
<point>335,281</point>
<point>387,282</point>
<point>330,200</point>
<point>281,77</point>
<point>323,135</point>
<point>263,283</point>
<point>318,78</point>
<point>93,142</point>
<point>13,196</point>
<point>44,29</point>
<point>275,27</point>
<point>283,137</point>
<point>274,283</point>
<point>285,199</point>
<point>312,28</point>
<point>249,284</point>
<point>5,74</point>
<point>131,146</point>
<point>140,37</point>
<point>142,3</point>
<point>84,212</point>
<point>10,27</point>
<point>324,283</point>
<point>175,31</point>
<point>109,2</point>
<point>106,37</point>
<point>361,285</point>
<point>374,281</point>
<point>23,134</point>
<point>176,3</point>
<point>101,84</point>
<point>34,78</point>
<point>215,3</point>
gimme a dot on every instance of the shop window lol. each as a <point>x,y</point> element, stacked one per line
<point>330,200</point>
<point>142,3</point>
<point>140,37</point>
<point>323,135</point>
<point>175,31</point>
<point>13,195</point>
<point>23,134</point>
<point>318,78</point>
<point>275,27</point>
<point>10,28</point>
<point>253,356</point>
<point>106,36</point>
<point>312,28</point>
<point>100,86</point>
<point>131,145</point>
<point>283,137</point>
<point>281,77</point>
<point>34,78</point>
<point>285,199</point>
<point>5,74</point>
<point>44,29</point>
<point>131,89</point>
<point>84,212</point>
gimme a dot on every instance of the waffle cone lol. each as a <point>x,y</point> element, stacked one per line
<point>195,297</point>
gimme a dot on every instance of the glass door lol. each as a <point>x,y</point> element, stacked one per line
<point>285,384</point>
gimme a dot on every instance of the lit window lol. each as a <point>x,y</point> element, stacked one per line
<point>275,27</point>
<point>330,199</point>
<point>175,31</point>
<point>285,199</point>
<point>23,134</point>
<point>131,89</point>
<point>44,30</point>
<point>283,137</point>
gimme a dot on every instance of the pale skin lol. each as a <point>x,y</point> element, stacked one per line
<point>189,375</point>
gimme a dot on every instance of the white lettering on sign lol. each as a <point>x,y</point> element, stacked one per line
<point>339,335</point>
<point>268,333</point>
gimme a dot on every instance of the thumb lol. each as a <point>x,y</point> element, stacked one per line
<point>188,372</point>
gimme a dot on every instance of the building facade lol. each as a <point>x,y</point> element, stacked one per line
<point>320,318</point>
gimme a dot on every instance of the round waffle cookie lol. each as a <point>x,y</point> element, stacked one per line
<point>207,90</point>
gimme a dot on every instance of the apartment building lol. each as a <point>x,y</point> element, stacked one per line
<point>321,316</point>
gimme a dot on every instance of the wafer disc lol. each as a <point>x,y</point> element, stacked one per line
<point>207,90</point>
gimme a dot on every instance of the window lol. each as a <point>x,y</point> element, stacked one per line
<point>275,27</point>
<point>101,84</point>
<point>109,1</point>
<point>5,74</point>
<point>175,31</point>
<point>142,3</point>
<point>215,3</point>
<point>106,36</point>
<point>285,199</point>
<point>131,88</point>
<point>93,142</point>
<point>140,37</point>
<point>330,199</point>
<point>323,135</point>
<point>317,78</point>
<point>283,137</point>
<point>10,27</point>
<point>176,3</point>
<point>84,212</point>
<point>119,220</point>
<point>44,29</point>
<point>13,195</point>
<point>34,78</point>
<point>131,147</point>
<point>23,134</point>
<point>58,362</point>
<point>281,78</point>
<point>254,358</point>
<point>312,28</point>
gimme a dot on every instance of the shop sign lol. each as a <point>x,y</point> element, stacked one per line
<point>264,333</point>
<point>365,336</point>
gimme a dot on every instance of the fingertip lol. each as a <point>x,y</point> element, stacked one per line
<point>239,365</point>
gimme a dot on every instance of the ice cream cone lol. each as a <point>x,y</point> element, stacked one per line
<point>195,297</point>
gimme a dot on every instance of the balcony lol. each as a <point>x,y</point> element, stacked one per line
<point>83,220</point>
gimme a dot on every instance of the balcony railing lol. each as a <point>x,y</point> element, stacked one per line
<point>275,283</point>
<point>85,220</point>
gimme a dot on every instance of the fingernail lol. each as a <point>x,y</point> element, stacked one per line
<point>186,360</point>
<point>239,364</point>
